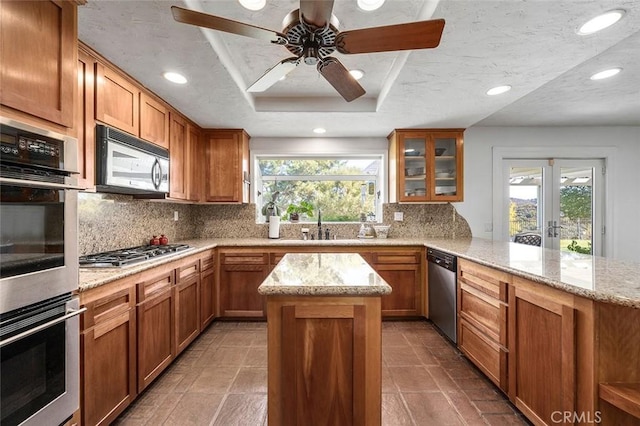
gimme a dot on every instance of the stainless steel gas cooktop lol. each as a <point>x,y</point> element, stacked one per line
<point>129,256</point>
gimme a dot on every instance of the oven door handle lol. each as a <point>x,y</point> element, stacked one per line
<point>37,184</point>
<point>70,314</point>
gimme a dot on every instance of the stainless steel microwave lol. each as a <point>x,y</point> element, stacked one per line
<point>128,165</point>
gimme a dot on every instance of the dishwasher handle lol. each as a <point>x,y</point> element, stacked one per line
<point>442,259</point>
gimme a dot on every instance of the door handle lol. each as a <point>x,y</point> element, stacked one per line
<point>552,229</point>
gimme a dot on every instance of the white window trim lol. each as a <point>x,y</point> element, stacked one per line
<point>318,147</point>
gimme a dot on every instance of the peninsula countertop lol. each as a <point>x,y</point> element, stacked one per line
<point>594,277</point>
<point>323,274</point>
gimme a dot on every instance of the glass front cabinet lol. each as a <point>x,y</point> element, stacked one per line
<point>425,165</point>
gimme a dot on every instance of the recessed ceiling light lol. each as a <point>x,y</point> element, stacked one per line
<point>357,74</point>
<point>601,22</point>
<point>498,90</point>
<point>370,4</point>
<point>605,74</point>
<point>174,77</point>
<point>253,4</point>
<point>319,130</point>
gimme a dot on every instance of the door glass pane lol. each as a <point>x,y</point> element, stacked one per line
<point>576,209</point>
<point>525,205</point>
<point>445,161</point>
<point>415,167</point>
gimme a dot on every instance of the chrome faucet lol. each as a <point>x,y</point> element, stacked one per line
<point>319,225</point>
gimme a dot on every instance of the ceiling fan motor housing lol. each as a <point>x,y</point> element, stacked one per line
<point>304,41</point>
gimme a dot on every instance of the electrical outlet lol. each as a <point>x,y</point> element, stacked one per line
<point>175,215</point>
<point>398,216</point>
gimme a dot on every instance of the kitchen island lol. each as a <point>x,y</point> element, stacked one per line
<point>324,340</point>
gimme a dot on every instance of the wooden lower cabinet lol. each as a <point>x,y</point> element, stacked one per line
<point>108,355</point>
<point>207,290</point>
<point>187,304</point>
<point>542,358</point>
<point>241,273</point>
<point>402,270</point>
<point>332,346</point>
<point>482,319</point>
<point>156,335</point>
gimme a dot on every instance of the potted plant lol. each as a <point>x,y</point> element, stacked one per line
<point>295,210</point>
<point>270,208</point>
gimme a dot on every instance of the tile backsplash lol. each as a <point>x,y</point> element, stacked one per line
<point>108,222</point>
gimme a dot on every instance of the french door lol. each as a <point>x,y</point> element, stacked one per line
<point>556,203</point>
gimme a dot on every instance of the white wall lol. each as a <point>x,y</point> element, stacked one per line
<point>623,175</point>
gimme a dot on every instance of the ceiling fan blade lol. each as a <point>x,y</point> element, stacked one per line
<point>199,19</point>
<point>274,74</point>
<point>338,76</point>
<point>316,13</point>
<point>414,35</point>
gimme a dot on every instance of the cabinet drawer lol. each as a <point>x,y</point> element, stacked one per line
<point>108,307</point>
<point>207,262</point>
<point>187,271</point>
<point>149,288</point>
<point>484,312</point>
<point>486,354</point>
<point>245,258</point>
<point>396,257</point>
<point>487,280</point>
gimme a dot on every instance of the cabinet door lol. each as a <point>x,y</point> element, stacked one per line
<point>187,303</point>
<point>412,166</point>
<point>207,297</point>
<point>108,357</point>
<point>178,156</point>
<point>39,44</point>
<point>154,121</point>
<point>227,159</point>
<point>117,100</point>
<point>445,150</point>
<point>404,299</point>
<point>240,276</point>
<point>156,339</point>
<point>85,120</point>
<point>194,164</point>
<point>542,366</point>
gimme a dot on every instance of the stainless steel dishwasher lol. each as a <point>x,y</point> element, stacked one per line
<point>442,291</point>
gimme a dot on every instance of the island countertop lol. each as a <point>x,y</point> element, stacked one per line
<point>323,274</point>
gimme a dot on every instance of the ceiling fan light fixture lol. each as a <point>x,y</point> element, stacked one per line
<point>370,5</point>
<point>174,77</point>
<point>601,22</point>
<point>253,4</point>
<point>605,74</point>
<point>357,74</point>
<point>319,130</point>
<point>498,90</point>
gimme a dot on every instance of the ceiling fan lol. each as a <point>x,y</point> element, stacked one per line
<point>311,34</point>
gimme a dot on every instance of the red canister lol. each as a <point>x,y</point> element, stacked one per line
<point>155,241</point>
<point>163,240</point>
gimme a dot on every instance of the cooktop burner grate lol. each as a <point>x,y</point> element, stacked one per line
<point>129,256</point>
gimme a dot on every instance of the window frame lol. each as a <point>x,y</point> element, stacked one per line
<point>358,148</point>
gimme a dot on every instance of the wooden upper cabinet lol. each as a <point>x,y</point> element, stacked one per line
<point>38,58</point>
<point>154,121</point>
<point>227,169</point>
<point>194,164</point>
<point>85,121</point>
<point>426,165</point>
<point>117,100</point>
<point>178,157</point>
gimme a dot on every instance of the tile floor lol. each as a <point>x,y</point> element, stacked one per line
<point>221,379</point>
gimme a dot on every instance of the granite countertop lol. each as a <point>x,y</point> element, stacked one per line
<point>594,277</point>
<point>323,274</point>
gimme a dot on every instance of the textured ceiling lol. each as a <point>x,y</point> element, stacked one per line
<point>531,45</point>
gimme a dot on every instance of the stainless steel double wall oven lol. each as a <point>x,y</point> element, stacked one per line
<point>39,322</point>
